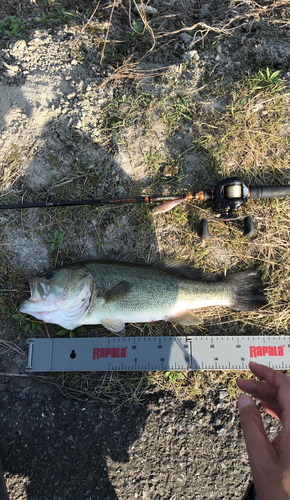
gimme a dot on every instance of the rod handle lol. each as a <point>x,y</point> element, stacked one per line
<point>258,192</point>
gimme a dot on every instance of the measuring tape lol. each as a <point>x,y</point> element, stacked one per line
<point>157,353</point>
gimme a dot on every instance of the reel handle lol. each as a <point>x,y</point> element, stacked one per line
<point>259,192</point>
<point>249,228</point>
<point>204,230</point>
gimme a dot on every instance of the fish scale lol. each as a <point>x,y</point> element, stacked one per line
<point>115,293</point>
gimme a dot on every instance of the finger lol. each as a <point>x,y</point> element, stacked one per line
<point>258,445</point>
<point>281,383</point>
<point>260,390</point>
<point>271,410</point>
<point>273,377</point>
<point>257,388</point>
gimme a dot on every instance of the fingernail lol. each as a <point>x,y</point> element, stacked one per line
<point>244,400</point>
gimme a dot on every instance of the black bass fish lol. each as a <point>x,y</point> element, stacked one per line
<point>113,293</point>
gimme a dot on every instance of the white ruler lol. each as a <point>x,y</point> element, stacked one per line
<point>157,353</point>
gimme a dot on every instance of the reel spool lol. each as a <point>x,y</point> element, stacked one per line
<point>234,191</point>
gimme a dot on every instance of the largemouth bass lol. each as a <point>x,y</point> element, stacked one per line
<point>114,293</point>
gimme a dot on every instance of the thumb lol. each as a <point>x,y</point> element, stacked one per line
<point>253,430</point>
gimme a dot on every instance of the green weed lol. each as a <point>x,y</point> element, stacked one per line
<point>26,323</point>
<point>153,159</point>
<point>263,81</point>
<point>71,333</point>
<point>180,110</point>
<point>51,18</point>
<point>57,240</point>
<point>100,245</point>
<point>174,377</point>
<point>138,29</point>
<point>12,26</point>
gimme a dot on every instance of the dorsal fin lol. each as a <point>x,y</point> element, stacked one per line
<point>174,266</point>
<point>179,267</point>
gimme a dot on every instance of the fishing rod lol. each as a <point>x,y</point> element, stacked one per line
<point>228,196</point>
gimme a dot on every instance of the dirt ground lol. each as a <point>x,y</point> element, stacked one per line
<point>54,447</point>
<point>89,107</point>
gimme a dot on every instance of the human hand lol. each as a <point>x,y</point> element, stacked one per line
<point>270,462</point>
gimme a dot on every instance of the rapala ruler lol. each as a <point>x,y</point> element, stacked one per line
<point>157,353</point>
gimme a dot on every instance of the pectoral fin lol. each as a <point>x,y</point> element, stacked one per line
<point>117,292</point>
<point>113,324</point>
<point>185,318</point>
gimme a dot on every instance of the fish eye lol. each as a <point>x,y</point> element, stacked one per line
<point>49,275</point>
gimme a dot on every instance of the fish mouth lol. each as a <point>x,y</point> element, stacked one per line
<point>38,291</point>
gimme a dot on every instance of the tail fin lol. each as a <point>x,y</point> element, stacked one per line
<point>246,291</point>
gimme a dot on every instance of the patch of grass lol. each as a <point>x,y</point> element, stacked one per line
<point>266,80</point>
<point>115,388</point>
<point>10,171</point>
<point>12,26</point>
<point>11,284</point>
<point>255,135</point>
<point>53,17</point>
<point>128,106</point>
<point>153,159</point>
<point>182,109</point>
<point>27,323</point>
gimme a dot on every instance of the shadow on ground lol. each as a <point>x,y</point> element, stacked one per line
<point>58,447</point>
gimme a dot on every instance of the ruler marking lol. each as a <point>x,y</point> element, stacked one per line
<point>178,353</point>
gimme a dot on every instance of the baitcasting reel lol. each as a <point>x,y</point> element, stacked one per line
<point>228,195</point>
<point>231,193</point>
